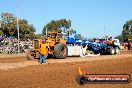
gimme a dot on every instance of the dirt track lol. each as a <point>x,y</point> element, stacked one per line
<point>62,73</point>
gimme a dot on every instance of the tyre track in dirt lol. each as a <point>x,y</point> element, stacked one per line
<point>63,74</point>
<point>24,62</point>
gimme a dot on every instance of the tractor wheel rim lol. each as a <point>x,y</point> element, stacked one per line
<point>63,50</point>
<point>117,50</point>
<point>112,51</point>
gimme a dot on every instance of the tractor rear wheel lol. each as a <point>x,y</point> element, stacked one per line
<point>61,51</point>
<point>29,55</point>
<point>117,50</point>
<point>112,51</point>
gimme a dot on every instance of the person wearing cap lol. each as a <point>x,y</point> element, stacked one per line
<point>43,52</point>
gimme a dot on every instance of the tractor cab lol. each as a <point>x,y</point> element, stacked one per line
<point>56,37</point>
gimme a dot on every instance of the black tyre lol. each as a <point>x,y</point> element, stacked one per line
<point>61,51</point>
<point>29,55</point>
<point>117,50</point>
<point>112,51</point>
<point>81,80</point>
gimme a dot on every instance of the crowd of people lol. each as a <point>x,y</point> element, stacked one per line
<point>10,45</point>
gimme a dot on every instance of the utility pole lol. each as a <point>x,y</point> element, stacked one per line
<point>17,24</point>
<point>0,24</point>
<point>46,32</point>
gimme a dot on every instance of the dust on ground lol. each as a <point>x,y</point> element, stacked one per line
<point>61,73</point>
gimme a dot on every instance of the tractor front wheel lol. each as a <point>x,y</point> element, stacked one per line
<point>117,50</point>
<point>61,51</point>
<point>112,51</point>
<point>29,54</point>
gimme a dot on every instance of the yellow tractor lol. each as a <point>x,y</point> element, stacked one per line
<point>56,46</point>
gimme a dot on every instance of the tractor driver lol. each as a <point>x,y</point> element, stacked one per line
<point>43,52</point>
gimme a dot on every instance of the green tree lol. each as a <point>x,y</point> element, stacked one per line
<point>7,23</point>
<point>127,30</point>
<point>1,32</point>
<point>119,37</point>
<point>26,30</point>
<point>58,25</point>
<point>8,26</point>
<point>39,36</point>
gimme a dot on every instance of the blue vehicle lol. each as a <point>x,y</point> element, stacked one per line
<point>103,48</point>
<point>73,39</point>
<point>96,47</point>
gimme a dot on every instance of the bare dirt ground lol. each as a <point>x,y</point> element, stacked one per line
<point>18,72</point>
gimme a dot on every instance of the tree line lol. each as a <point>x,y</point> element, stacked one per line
<point>126,34</point>
<point>8,26</point>
<point>61,25</point>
